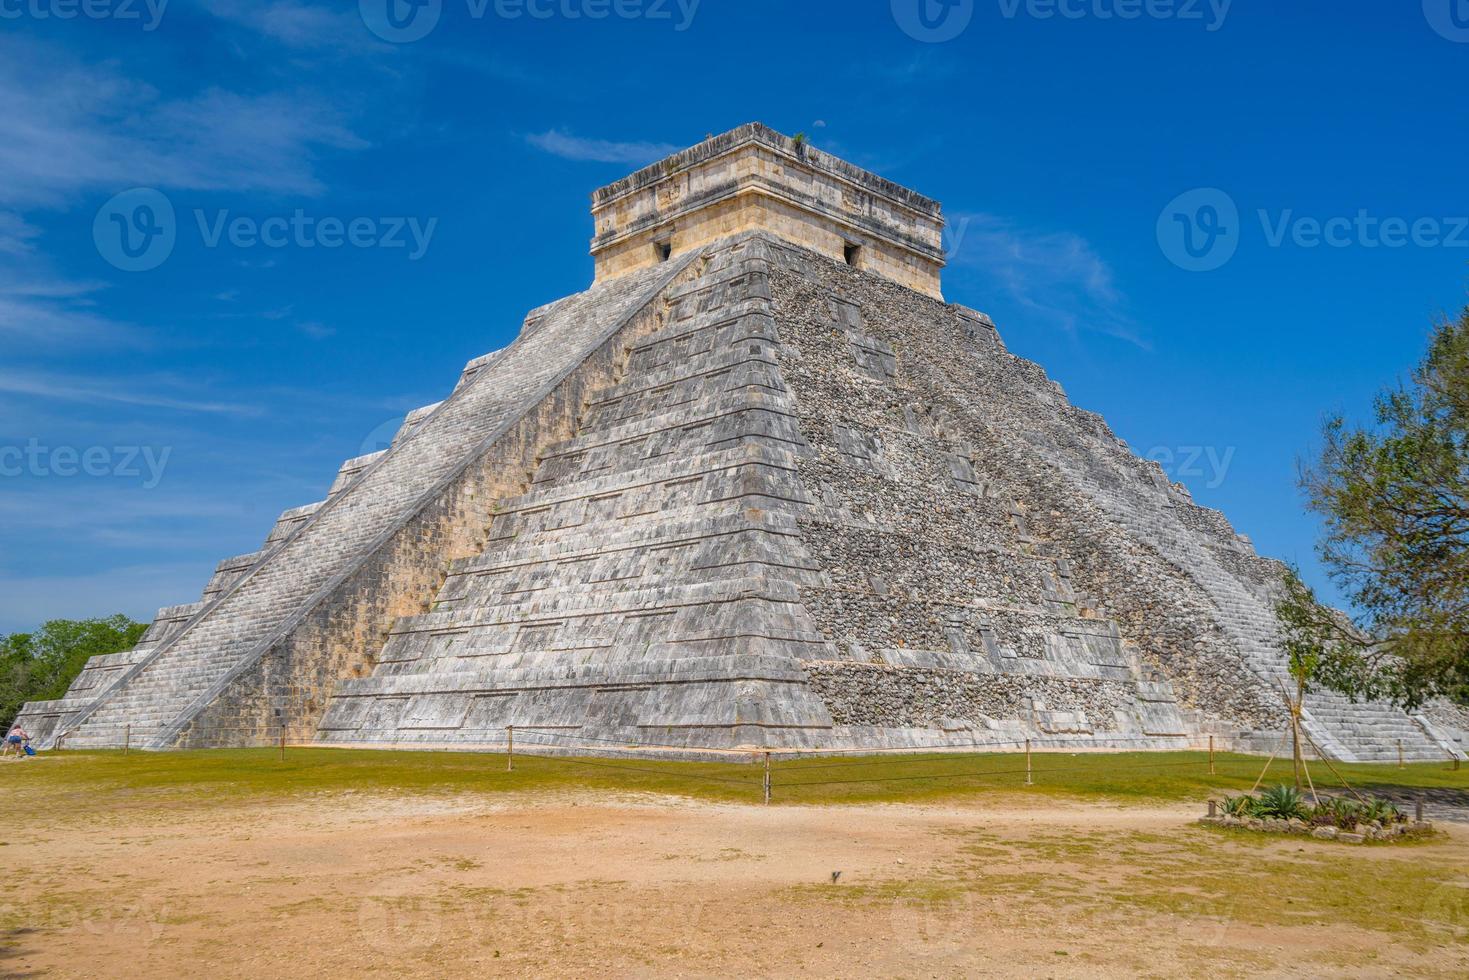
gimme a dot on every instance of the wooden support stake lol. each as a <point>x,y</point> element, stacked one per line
<point>767,779</point>
<point>283,743</point>
<point>1400,755</point>
<point>1418,809</point>
<point>1028,780</point>
<point>509,748</point>
<point>127,739</point>
<point>1211,755</point>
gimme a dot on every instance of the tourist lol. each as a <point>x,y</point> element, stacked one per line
<point>17,739</point>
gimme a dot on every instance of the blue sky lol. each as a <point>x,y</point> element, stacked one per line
<point>166,416</point>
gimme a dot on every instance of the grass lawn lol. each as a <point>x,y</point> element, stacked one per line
<point>341,862</point>
<point>72,779</point>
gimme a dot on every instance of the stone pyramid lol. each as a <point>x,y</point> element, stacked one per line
<point>759,486</point>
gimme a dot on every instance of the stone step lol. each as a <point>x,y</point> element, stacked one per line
<point>325,542</point>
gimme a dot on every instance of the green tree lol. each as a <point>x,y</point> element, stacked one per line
<point>40,666</point>
<point>1323,649</point>
<point>1394,500</point>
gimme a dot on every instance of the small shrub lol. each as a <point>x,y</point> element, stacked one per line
<point>1238,806</point>
<point>1282,803</point>
<point>1285,803</point>
<point>1341,813</point>
<point>1383,811</point>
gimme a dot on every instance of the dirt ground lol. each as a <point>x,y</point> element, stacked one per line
<point>582,885</point>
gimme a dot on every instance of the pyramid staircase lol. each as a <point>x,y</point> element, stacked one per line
<point>646,584</point>
<point>1164,516</point>
<point>336,572</point>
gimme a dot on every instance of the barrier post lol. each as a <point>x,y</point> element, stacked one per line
<point>509,748</point>
<point>767,779</point>
<point>1418,809</point>
<point>283,743</point>
<point>127,739</point>
<point>1211,755</point>
<point>1028,780</point>
<point>1400,755</point>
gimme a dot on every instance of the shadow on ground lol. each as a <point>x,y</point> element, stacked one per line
<point>1439,802</point>
<point>13,944</point>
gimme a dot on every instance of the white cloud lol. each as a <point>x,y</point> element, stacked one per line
<point>315,329</point>
<point>1057,275</point>
<point>38,307</point>
<point>16,234</point>
<point>562,144</point>
<point>297,25</point>
<point>152,393</point>
<point>28,320</point>
<point>72,128</point>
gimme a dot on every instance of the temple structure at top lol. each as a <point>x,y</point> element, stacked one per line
<point>755,179</point>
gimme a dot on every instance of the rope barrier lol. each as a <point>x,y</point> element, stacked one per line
<point>980,773</point>
<point>911,757</point>
<point>566,741</point>
<point>556,733</point>
<point>656,772</point>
